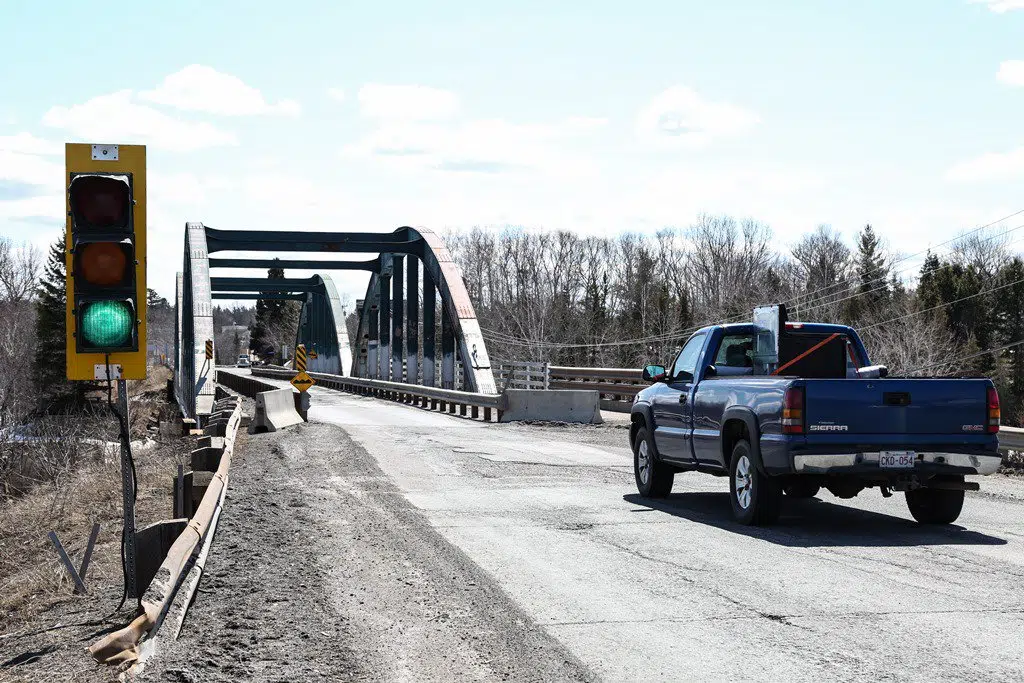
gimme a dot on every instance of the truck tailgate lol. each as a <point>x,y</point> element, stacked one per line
<point>896,406</point>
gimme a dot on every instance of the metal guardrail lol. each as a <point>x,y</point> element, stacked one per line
<point>246,385</point>
<point>1011,439</point>
<point>521,375</point>
<point>434,398</point>
<point>616,386</point>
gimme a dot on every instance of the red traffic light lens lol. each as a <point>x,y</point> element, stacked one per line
<point>100,201</point>
<point>102,263</point>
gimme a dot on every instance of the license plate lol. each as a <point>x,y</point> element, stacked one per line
<point>897,459</point>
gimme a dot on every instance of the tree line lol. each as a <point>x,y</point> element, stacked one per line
<point>634,298</point>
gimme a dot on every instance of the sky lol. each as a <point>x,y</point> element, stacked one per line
<point>596,117</point>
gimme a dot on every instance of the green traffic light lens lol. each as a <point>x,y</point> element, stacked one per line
<point>107,324</point>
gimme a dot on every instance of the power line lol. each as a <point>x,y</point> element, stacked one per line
<point>937,246</point>
<point>679,332</point>
<point>815,305</point>
<point>1011,345</point>
<point>948,303</point>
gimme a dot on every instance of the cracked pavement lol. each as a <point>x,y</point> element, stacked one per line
<point>850,590</point>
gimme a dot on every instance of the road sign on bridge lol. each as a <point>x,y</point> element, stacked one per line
<point>302,381</point>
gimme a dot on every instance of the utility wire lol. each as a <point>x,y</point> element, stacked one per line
<point>668,336</point>
<point>1004,347</point>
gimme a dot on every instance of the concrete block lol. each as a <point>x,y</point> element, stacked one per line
<point>552,405</point>
<point>200,482</point>
<point>186,495</point>
<point>210,442</point>
<point>151,546</point>
<point>206,459</point>
<point>274,410</point>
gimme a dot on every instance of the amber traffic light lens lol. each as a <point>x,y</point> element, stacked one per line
<point>100,202</point>
<point>102,263</point>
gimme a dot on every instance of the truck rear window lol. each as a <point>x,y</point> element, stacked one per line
<point>799,357</point>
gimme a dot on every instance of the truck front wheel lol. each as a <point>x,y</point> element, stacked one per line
<point>653,478</point>
<point>756,498</point>
<point>936,506</point>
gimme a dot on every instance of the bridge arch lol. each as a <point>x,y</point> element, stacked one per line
<point>397,305</point>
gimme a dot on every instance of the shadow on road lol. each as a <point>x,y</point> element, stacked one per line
<point>815,523</point>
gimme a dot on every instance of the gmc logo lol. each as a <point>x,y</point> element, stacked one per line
<point>829,428</point>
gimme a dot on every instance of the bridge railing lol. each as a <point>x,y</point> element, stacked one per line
<point>521,375</point>
<point>617,386</point>
<point>434,398</point>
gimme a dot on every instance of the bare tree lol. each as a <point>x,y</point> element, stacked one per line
<point>19,272</point>
<point>824,265</point>
<point>987,250</point>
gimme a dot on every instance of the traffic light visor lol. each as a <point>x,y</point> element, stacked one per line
<point>106,325</point>
<point>101,202</point>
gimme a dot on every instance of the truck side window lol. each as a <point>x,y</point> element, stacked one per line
<point>686,362</point>
<point>736,351</point>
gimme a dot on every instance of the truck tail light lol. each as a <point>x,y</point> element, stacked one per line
<point>993,411</point>
<point>793,411</point>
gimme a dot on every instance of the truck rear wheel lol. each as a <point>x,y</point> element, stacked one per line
<point>756,498</point>
<point>653,478</point>
<point>936,506</point>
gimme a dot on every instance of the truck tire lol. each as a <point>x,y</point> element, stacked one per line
<point>800,488</point>
<point>756,498</point>
<point>653,478</point>
<point>936,506</point>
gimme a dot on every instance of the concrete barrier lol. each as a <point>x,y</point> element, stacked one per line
<point>274,410</point>
<point>552,405</point>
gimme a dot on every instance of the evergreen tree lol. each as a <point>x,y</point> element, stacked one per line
<point>57,394</point>
<point>276,321</point>
<point>872,276</point>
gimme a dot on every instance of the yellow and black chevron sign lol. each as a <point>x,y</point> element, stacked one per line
<point>300,357</point>
<point>209,349</point>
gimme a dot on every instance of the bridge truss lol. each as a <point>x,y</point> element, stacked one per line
<point>412,276</point>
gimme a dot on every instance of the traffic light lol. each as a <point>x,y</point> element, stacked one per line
<point>106,264</point>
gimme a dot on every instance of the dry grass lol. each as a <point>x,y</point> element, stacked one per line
<point>66,487</point>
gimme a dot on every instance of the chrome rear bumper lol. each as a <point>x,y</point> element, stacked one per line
<point>836,463</point>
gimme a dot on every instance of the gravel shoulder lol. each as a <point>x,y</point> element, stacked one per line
<point>322,571</point>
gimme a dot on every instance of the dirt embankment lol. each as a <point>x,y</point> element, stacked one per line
<point>45,628</point>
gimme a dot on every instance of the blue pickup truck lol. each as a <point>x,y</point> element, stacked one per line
<point>821,417</point>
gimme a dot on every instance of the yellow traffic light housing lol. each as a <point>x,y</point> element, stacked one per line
<point>106,261</point>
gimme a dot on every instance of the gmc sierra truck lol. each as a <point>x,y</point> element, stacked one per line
<point>819,416</point>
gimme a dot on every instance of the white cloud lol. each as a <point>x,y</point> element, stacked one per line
<point>204,89</point>
<point>989,167</point>
<point>1011,72</point>
<point>336,94</point>
<point>477,146</point>
<point>45,207</point>
<point>1000,6</point>
<point>116,118</point>
<point>26,143</point>
<point>407,102</point>
<point>681,116</point>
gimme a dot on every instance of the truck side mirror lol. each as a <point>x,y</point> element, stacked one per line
<point>654,373</point>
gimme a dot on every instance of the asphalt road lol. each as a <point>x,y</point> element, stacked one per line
<point>674,590</point>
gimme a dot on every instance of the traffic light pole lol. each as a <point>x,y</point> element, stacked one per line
<point>128,489</point>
